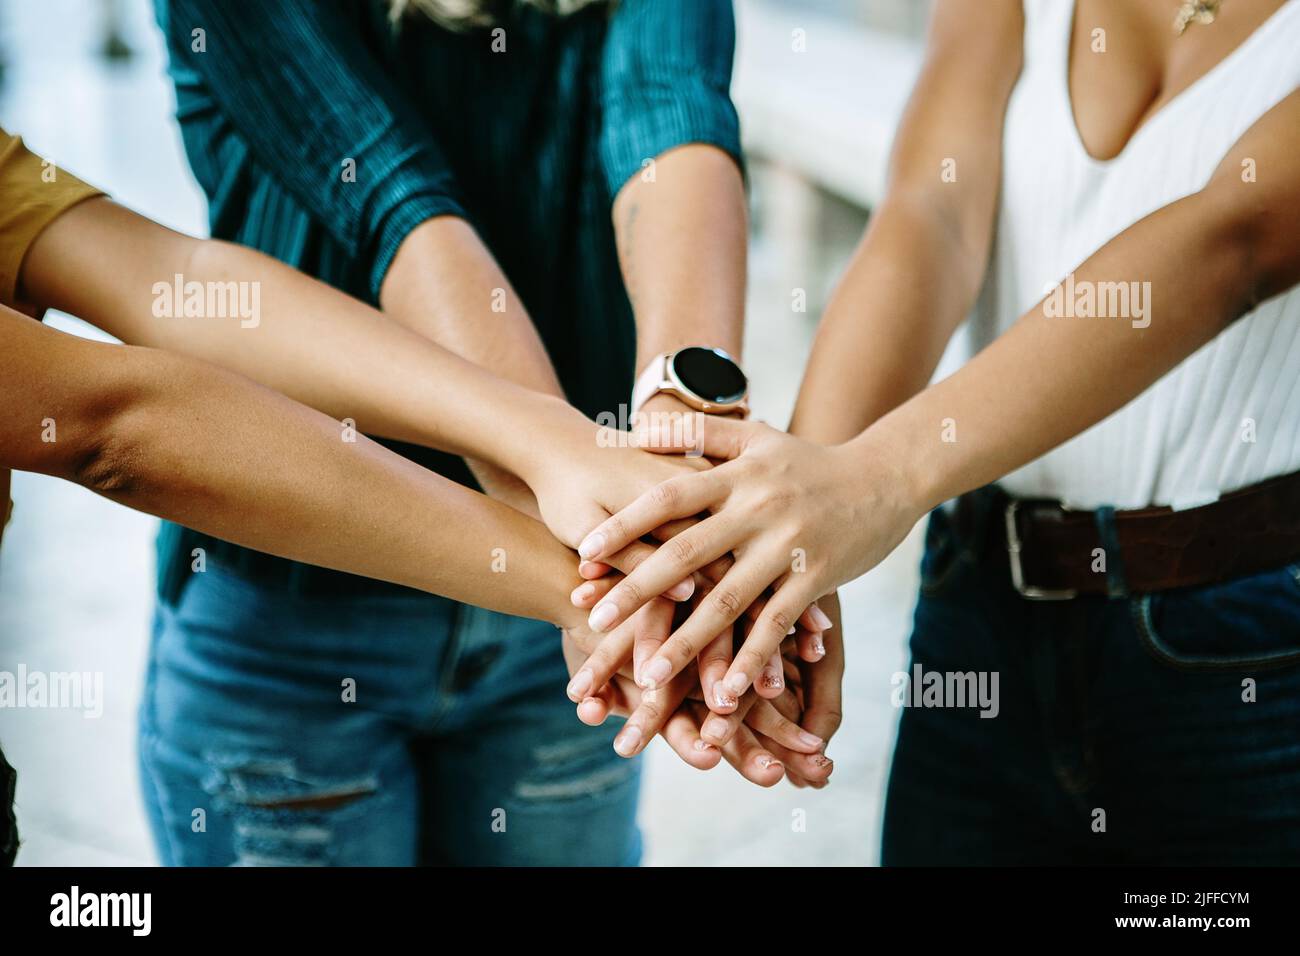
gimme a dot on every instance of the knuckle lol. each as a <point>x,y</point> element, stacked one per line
<point>726,601</point>
<point>628,593</point>
<point>633,557</point>
<point>615,529</point>
<point>780,620</point>
<point>666,494</point>
<point>750,661</point>
<point>830,718</point>
<point>652,712</point>
<point>682,550</point>
<point>678,650</point>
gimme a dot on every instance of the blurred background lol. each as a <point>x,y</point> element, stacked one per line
<point>819,85</point>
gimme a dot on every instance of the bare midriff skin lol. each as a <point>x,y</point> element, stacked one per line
<point>868,461</point>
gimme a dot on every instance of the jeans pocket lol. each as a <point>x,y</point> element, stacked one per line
<point>1248,623</point>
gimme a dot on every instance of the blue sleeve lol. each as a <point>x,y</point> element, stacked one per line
<point>665,82</point>
<point>296,83</point>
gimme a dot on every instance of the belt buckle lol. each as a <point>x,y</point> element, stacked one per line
<point>1027,591</point>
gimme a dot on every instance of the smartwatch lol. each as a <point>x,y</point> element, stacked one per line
<point>708,380</point>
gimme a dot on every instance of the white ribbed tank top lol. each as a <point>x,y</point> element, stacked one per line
<point>1186,439</point>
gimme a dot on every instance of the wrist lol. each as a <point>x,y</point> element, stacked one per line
<point>548,440</point>
<point>904,463</point>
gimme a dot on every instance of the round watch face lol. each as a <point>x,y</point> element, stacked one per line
<point>710,374</point>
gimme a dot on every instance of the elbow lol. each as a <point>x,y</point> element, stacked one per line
<point>1257,246</point>
<point>108,462</point>
<point>108,452</point>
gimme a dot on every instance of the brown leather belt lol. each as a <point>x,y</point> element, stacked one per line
<point>1058,553</point>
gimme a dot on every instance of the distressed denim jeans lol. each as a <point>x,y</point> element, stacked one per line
<point>384,730</point>
<point>1147,729</point>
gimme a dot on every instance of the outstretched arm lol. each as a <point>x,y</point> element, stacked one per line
<point>189,442</point>
<point>849,506</point>
<point>183,440</point>
<point>320,347</point>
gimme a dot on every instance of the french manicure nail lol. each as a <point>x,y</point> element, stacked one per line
<point>682,590</point>
<point>625,743</point>
<point>821,619</point>
<point>581,683</point>
<point>736,683</point>
<point>602,616</point>
<point>767,762</point>
<point>655,673</point>
<point>591,546</point>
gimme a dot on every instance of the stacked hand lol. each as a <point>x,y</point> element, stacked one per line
<point>749,666</point>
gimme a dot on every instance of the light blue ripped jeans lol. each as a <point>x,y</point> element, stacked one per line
<point>388,730</point>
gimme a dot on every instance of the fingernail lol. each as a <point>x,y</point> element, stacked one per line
<point>722,697</point>
<point>581,593</point>
<point>602,616</point>
<point>580,684</point>
<point>771,678</point>
<point>818,647</point>
<point>812,740</point>
<point>715,727</point>
<point>591,546</point>
<point>681,590</point>
<point>791,631</point>
<point>767,762</point>
<point>736,683</point>
<point>655,673</point>
<point>626,742</point>
<point>822,760</point>
<point>704,745</point>
<point>820,619</point>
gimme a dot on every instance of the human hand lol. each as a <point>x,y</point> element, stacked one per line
<point>800,518</point>
<point>588,473</point>
<point>749,737</point>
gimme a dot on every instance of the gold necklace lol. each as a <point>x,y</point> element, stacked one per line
<point>1195,11</point>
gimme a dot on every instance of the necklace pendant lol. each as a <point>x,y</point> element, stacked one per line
<point>1195,11</point>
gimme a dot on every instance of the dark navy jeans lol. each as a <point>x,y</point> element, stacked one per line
<point>1149,729</point>
<point>392,729</point>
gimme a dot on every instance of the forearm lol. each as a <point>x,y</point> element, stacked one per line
<point>444,284</point>
<point>1049,378</point>
<point>920,265</point>
<point>907,288</point>
<point>318,346</point>
<point>191,443</point>
<point>679,234</point>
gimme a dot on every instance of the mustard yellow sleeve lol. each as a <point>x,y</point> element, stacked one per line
<point>32,195</point>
